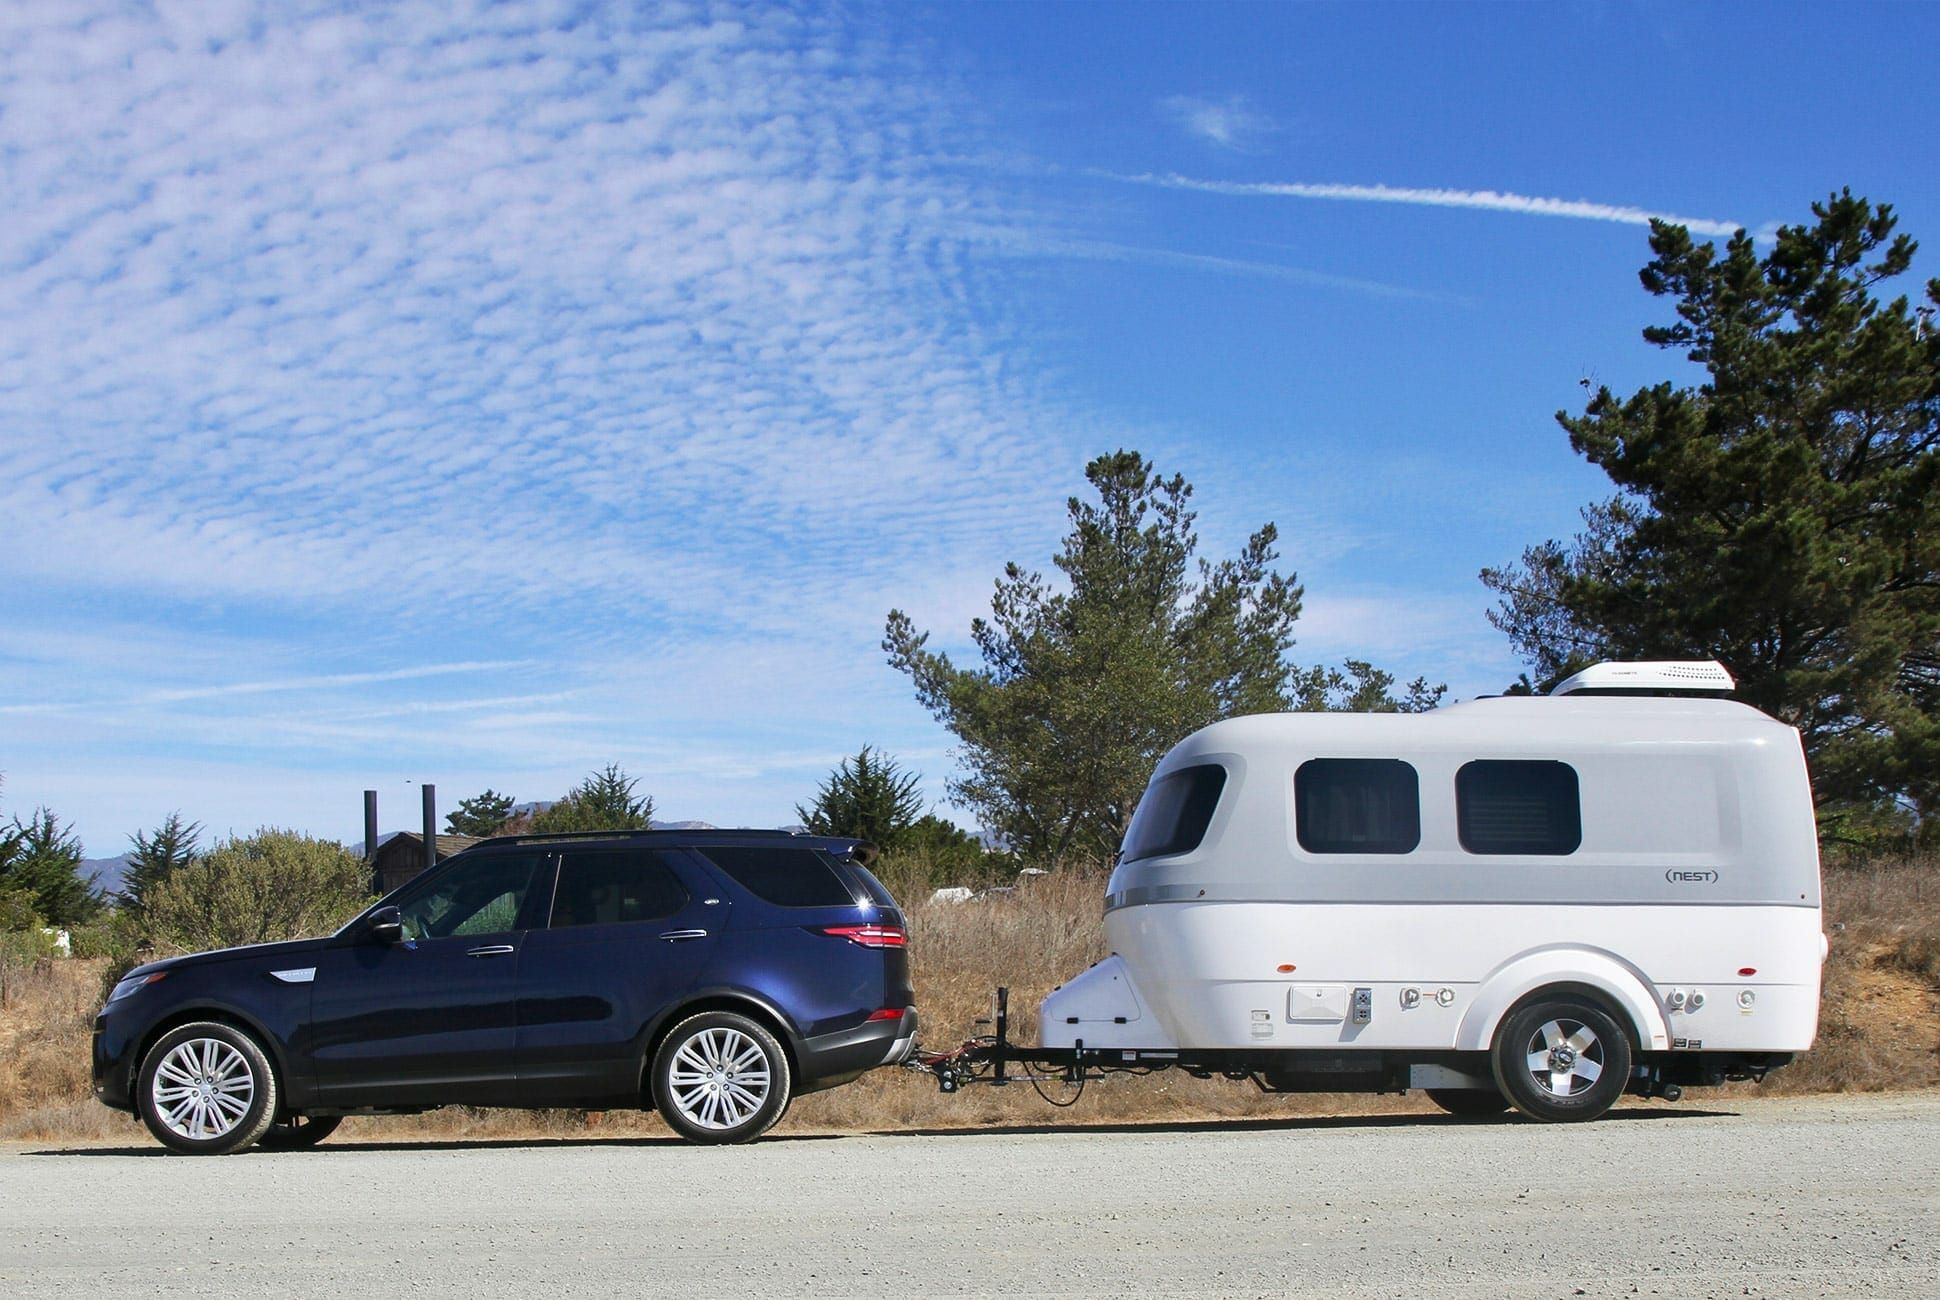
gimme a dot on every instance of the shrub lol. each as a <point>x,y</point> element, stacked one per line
<point>272,885</point>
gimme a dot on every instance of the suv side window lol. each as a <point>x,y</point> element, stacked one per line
<point>785,877</point>
<point>613,886</point>
<point>481,897</point>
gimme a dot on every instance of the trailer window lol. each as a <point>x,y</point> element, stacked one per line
<point>1174,814</point>
<point>1357,805</point>
<point>1518,806</point>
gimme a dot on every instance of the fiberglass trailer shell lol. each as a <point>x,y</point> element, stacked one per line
<point>1479,900</point>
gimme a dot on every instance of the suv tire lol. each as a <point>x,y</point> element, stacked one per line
<point>206,1089</point>
<point>720,1077</point>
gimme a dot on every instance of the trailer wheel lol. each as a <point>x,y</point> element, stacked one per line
<point>1561,1058</point>
<point>1471,1103</point>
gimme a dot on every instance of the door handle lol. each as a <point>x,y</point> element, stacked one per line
<point>491,950</point>
<point>678,936</point>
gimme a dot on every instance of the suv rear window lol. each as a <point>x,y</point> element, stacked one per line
<point>613,886</point>
<point>1174,814</point>
<point>785,877</point>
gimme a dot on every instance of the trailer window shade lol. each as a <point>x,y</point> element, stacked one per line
<point>1357,805</point>
<point>1173,816</point>
<point>1518,806</point>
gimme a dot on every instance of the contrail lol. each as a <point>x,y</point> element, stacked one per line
<point>1490,200</point>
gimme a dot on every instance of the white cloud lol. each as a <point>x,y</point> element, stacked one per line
<point>1487,200</point>
<point>1229,122</point>
<point>608,310</point>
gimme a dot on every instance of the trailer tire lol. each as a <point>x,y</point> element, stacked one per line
<point>1470,1103</point>
<point>1561,1058</point>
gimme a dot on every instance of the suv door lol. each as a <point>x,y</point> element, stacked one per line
<point>431,1020</point>
<point>630,931</point>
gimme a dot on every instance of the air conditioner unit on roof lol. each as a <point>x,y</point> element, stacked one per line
<point>1683,676</point>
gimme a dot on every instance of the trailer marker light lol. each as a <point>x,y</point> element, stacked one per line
<point>1747,970</point>
<point>1286,968</point>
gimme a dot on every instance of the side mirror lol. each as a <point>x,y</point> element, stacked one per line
<point>385,925</point>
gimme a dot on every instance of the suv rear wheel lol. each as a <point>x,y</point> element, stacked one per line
<point>720,1077</point>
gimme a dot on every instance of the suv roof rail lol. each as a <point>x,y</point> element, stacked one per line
<point>861,848</point>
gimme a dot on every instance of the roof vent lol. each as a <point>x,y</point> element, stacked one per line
<point>1664,677</point>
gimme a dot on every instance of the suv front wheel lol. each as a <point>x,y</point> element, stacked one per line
<point>206,1089</point>
<point>720,1077</point>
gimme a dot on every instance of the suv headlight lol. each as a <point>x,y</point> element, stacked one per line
<point>132,983</point>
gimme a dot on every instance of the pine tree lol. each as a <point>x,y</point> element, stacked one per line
<point>482,814</point>
<point>156,857</point>
<point>1082,690</point>
<point>45,861</point>
<point>869,797</point>
<point>604,801</point>
<point>1784,515</point>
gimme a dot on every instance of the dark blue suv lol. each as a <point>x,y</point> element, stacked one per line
<point>712,975</point>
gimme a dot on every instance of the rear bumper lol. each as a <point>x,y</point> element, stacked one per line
<point>829,1059</point>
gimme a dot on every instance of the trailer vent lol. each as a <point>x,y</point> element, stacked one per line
<point>1665,677</point>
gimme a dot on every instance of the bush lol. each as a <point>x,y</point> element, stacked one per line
<point>273,885</point>
<point>17,914</point>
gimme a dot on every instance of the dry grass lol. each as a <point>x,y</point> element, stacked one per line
<point>1879,1015</point>
<point>1879,1028</point>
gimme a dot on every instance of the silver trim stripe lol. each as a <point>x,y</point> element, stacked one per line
<point>1144,895</point>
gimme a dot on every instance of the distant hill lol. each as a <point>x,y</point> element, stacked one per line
<point>108,872</point>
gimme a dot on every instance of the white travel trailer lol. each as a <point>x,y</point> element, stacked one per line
<point>1532,901</point>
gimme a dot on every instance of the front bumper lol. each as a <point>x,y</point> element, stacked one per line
<point>113,1066</point>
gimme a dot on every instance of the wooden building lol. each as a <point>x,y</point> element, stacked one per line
<point>402,856</point>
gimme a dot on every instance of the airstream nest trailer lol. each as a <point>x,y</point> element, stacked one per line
<point>1532,901</point>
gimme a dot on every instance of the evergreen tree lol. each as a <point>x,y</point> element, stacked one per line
<point>44,860</point>
<point>1779,516</point>
<point>1361,688</point>
<point>869,797</point>
<point>604,801</point>
<point>156,857</point>
<point>482,814</point>
<point>1083,689</point>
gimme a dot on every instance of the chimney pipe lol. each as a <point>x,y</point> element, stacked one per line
<point>370,824</point>
<point>430,825</point>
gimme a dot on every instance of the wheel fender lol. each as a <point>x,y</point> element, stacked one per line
<point>1586,967</point>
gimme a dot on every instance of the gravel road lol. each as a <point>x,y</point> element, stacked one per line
<point>1806,1198</point>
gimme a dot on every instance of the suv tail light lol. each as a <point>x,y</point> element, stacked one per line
<point>869,936</point>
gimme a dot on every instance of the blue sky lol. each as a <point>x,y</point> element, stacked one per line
<point>481,395</point>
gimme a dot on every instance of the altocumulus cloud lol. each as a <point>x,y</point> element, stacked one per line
<point>608,306</point>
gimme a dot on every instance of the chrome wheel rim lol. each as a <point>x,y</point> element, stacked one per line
<point>203,1088</point>
<point>1565,1057</point>
<point>719,1079</point>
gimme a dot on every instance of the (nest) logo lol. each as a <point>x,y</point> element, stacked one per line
<point>1677,877</point>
